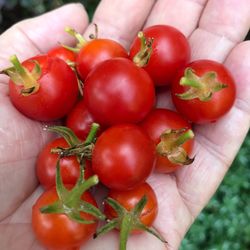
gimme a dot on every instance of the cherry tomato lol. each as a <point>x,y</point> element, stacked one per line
<point>80,120</point>
<point>69,166</point>
<point>96,51</point>
<point>129,198</point>
<point>57,231</point>
<point>123,157</point>
<point>157,122</point>
<point>63,53</point>
<point>213,97</point>
<point>57,92</point>
<point>170,52</point>
<point>117,91</point>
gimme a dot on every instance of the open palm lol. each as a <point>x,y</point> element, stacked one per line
<point>215,30</point>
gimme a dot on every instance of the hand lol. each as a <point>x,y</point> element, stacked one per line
<point>215,30</point>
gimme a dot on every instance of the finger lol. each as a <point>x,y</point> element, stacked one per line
<point>182,14</point>
<point>120,20</point>
<point>223,24</point>
<point>38,35</point>
<point>218,143</point>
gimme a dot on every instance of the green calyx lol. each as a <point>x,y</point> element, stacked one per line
<point>201,87</point>
<point>171,143</point>
<point>23,77</point>
<point>127,221</point>
<point>81,42</point>
<point>82,150</point>
<point>70,202</point>
<point>141,59</point>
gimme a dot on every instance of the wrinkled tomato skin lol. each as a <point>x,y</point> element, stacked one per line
<point>158,121</point>
<point>80,120</point>
<point>171,51</point>
<point>128,199</point>
<point>64,54</point>
<point>57,94</point>
<point>209,111</point>
<point>69,166</point>
<point>57,231</point>
<point>117,91</point>
<point>123,157</point>
<point>95,52</point>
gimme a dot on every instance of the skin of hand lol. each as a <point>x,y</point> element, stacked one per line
<point>215,30</point>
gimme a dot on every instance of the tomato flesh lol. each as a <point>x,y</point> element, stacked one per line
<point>57,231</point>
<point>117,91</point>
<point>123,157</point>
<point>95,52</point>
<point>57,94</point>
<point>157,122</point>
<point>171,52</point>
<point>205,111</point>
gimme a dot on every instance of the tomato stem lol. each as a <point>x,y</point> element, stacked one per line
<point>81,41</point>
<point>126,221</point>
<point>171,143</point>
<point>201,87</point>
<point>188,135</point>
<point>141,59</point>
<point>92,134</point>
<point>70,202</point>
<point>21,76</point>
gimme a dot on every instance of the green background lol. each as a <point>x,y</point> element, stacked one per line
<point>225,222</point>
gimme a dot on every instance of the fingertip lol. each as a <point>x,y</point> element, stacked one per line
<point>46,30</point>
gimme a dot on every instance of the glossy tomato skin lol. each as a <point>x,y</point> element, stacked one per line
<point>57,94</point>
<point>69,166</point>
<point>64,54</point>
<point>79,120</point>
<point>171,51</point>
<point>123,157</point>
<point>205,111</point>
<point>117,91</point>
<point>57,231</point>
<point>95,52</point>
<point>158,121</point>
<point>129,198</point>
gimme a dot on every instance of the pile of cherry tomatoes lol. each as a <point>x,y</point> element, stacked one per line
<point>114,134</point>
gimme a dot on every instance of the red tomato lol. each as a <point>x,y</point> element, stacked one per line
<point>123,157</point>
<point>221,101</point>
<point>57,94</point>
<point>158,121</point>
<point>80,120</point>
<point>57,231</point>
<point>129,198</point>
<point>171,51</point>
<point>96,51</point>
<point>69,166</point>
<point>63,53</point>
<point>117,91</point>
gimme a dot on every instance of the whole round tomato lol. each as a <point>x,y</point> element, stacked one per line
<point>69,166</point>
<point>129,198</point>
<point>123,157</point>
<point>80,120</point>
<point>117,91</point>
<point>96,51</point>
<point>156,123</point>
<point>211,99</point>
<point>63,53</point>
<point>57,231</point>
<point>170,51</point>
<point>57,89</point>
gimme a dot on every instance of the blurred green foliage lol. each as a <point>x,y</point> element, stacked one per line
<point>225,223</point>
